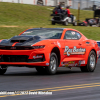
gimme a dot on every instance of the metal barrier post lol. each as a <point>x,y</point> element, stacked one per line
<point>78,13</point>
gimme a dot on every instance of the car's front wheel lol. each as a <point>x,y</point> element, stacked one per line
<point>52,68</point>
<point>3,69</point>
<point>91,64</point>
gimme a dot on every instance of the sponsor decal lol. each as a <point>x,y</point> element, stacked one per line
<point>58,44</point>
<point>73,33</point>
<point>74,51</point>
<point>93,44</point>
<point>38,56</point>
<point>73,63</point>
<point>70,63</point>
<point>83,62</point>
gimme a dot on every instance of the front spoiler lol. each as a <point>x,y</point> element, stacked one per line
<point>33,64</point>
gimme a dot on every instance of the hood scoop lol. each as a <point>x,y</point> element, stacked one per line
<point>19,41</point>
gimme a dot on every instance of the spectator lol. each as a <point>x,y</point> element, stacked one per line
<point>69,14</point>
<point>57,9</point>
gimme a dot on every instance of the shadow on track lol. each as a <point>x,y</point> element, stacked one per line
<point>33,72</point>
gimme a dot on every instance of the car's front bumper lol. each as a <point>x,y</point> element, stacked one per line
<point>24,57</point>
<point>45,63</point>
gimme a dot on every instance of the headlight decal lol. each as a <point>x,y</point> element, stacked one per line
<point>38,47</point>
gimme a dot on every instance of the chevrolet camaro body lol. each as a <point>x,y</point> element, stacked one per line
<point>34,48</point>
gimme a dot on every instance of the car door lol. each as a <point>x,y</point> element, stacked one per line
<point>73,50</point>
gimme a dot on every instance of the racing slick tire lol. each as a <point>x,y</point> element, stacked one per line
<point>3,69</point>
<point>91,64</point>
<point>53,23</point>
<point>52,68</point>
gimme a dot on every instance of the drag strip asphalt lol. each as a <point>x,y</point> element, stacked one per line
<point>65,85</point>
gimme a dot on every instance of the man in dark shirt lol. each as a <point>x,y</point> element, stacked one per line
<point>57,9</point>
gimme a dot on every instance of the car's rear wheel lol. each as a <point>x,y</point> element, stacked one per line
<point>52,68</point>
<point>3,69</point>
<point>91,64</point>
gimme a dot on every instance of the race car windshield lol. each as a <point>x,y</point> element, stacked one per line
<point>45,33</point>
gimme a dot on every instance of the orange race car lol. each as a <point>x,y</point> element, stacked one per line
<point>46,49</point>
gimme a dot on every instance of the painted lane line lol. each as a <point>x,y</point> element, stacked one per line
<point>9,95</point>
<point>75,88</point>
<point>64,86</point>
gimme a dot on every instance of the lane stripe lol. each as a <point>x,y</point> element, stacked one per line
<point>9,95</point>
<point>75,88</point>
<point>62,88</point>
<point>65,86</point>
